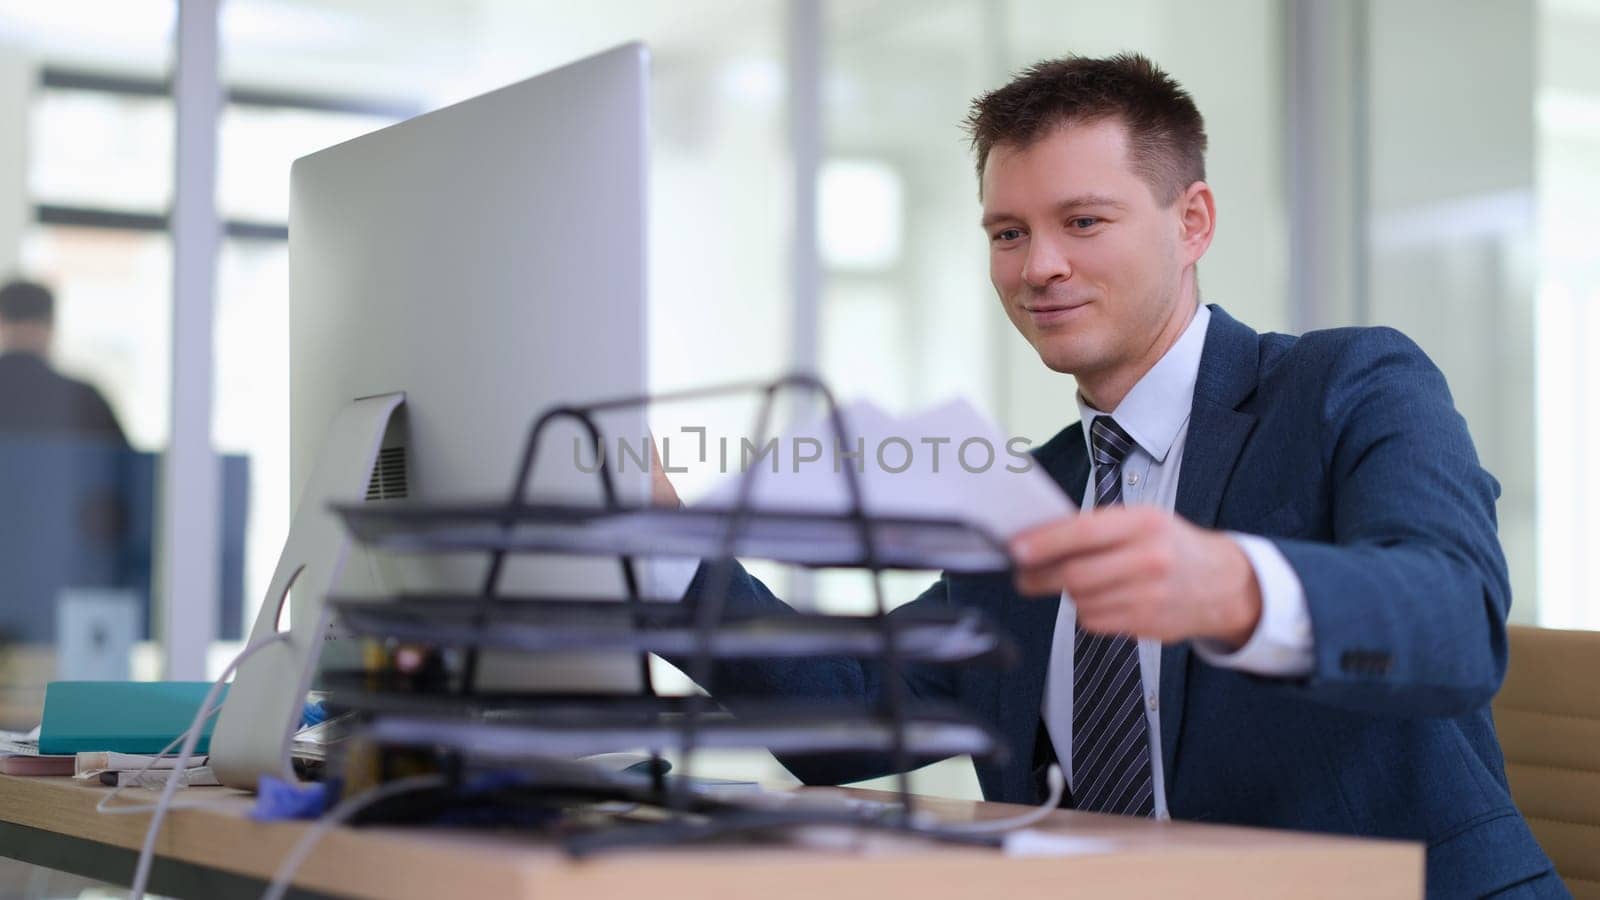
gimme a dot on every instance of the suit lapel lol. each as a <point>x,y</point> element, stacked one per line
<point>1020,698</point>
<point>1032,622</point>
<point>1217,433</point>
<point>1216,437</point>
<point>1066,461</point>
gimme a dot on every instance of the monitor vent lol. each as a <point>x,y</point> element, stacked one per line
<point>388,475</point>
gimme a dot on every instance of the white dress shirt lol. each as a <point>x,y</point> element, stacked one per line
<point>1155,413</point>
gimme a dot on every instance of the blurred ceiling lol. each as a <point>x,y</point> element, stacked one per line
<point>448,48</point>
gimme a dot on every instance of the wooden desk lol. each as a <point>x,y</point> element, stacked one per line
<point>1168,859</point>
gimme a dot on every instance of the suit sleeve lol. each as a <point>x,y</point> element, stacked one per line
<point>1408,602</point>
<point>851,685</point>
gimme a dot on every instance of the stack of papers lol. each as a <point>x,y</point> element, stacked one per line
<point>949,462</point>
<point>139,770</point>
<point>946,489</point>
<point>19,755</point>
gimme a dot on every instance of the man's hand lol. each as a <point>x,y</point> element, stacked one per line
<point>662,493</point>
<point>1145,572</point>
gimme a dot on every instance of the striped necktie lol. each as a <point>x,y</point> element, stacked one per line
<point>1110,738</point>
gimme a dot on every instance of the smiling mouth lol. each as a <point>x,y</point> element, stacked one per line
<point>1052,313</point>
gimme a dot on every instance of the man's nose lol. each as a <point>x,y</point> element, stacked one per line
<point>1047,262</point>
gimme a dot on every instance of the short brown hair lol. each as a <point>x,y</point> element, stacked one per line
<point>1166,135</point>
<point>26,301</point>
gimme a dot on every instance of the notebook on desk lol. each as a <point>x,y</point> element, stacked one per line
<point>19,755</point>
<point>121,716</point>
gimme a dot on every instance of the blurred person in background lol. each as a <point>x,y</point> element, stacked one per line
<point>34,397</point>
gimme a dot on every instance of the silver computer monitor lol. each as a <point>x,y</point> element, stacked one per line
<point>488,260</point>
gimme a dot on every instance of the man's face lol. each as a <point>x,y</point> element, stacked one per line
<point>27,335</point>
<point>1085,260</point>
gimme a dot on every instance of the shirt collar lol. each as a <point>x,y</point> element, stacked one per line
<point>1157,408</point>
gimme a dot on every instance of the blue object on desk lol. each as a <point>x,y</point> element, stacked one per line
<point>278,800</point>
<point>121,716</point>
<point>314,712</point>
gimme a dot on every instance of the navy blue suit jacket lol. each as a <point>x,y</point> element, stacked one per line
<point>1344,447</point>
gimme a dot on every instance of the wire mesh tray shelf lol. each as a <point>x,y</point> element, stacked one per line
<point>800,537</point>
<point>432,698</point>
<point>668,629</point>
<point>574,732</point>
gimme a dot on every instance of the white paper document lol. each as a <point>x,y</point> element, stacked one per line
<point>949,462</point>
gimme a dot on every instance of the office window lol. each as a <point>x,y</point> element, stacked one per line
<point>861,215</point>
<point>258,143</point>
<point>102,150</point>
<point>1567,311</point>
<point>251,412</point>
<point>1450,204</point>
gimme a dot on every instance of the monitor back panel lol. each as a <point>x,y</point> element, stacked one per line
<point>488,259</point>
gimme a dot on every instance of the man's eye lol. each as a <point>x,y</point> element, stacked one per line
<point>1083,222</point>
<point>1010,234</point>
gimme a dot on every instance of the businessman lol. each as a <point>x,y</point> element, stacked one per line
<point>34,397</point>
<point>1284,604</point>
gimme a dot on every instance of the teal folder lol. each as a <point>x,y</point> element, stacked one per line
<point>121,716</point>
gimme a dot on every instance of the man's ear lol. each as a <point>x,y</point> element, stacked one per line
<point>1197,221</point>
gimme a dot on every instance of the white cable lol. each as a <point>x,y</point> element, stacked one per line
<point>1058,788</point>
<point>190,738</point>
<point>207,710</point>
<point>346,808</point>
<point>103,806</point>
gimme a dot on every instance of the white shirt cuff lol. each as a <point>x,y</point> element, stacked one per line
<point>1281,645</point>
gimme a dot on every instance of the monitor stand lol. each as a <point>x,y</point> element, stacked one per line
<point>264,705</point>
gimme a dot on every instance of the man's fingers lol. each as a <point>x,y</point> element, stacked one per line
<point>1118,621</point>
<point>1124,564</point>
<point>655,457</point>
<point>1041,580</point>
<point>662,493</point>
<point>1089,531</point>
<point>1087,575</point>
<point>1080,574</point>
<point>1120,611</point>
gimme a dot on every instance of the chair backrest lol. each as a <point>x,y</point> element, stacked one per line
<point>1548,718</point>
